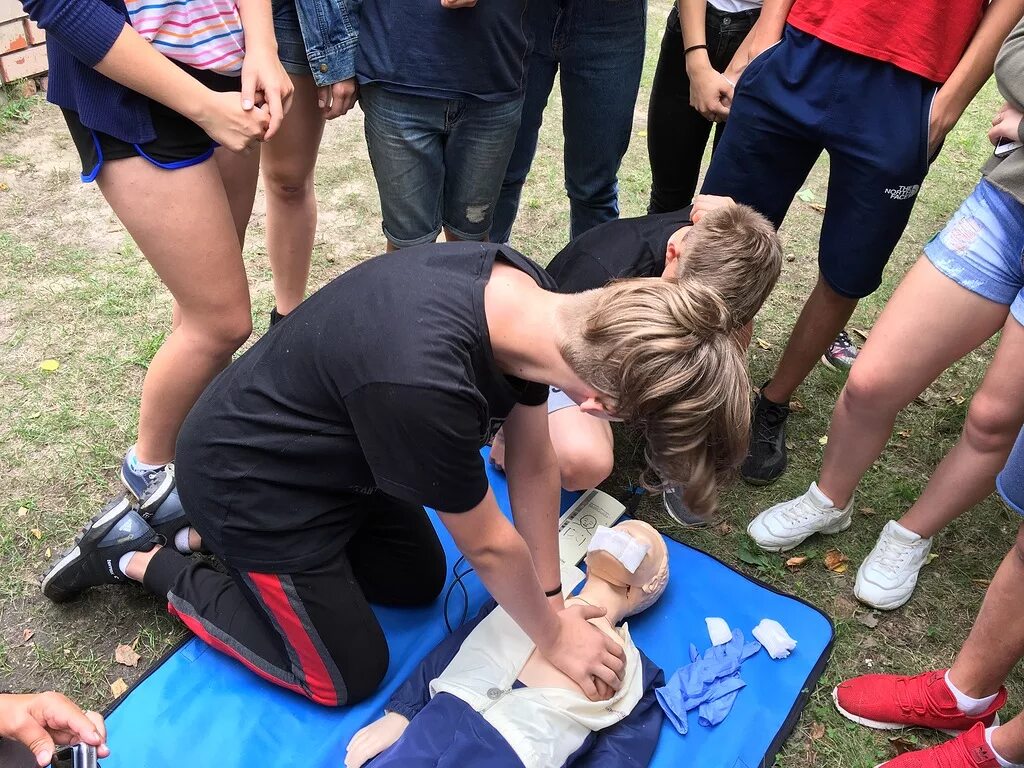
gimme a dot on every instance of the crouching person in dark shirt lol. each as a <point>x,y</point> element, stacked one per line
<point>305,466</point>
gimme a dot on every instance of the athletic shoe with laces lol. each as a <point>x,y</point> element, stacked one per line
<point>968,750</point>
<point>94,558</point>
<point>680,512</point>
<point>786,525</point>
<point>169,517</point>
<point>150,487</point>
<point>887,577</point>
<point>766,460</point>
<point>890,702</point>
<point>841,353</point>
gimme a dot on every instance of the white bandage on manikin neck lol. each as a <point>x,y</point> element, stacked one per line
<point>619,545</point>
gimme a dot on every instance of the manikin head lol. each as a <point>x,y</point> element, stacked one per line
<point>622,591</point>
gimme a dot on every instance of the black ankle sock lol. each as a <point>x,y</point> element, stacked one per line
<point>275,317</point>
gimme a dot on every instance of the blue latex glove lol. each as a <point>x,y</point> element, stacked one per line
<point>710,682</point>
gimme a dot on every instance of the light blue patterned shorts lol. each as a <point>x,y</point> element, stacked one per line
<point>557,400</point>
<point>982,247</point>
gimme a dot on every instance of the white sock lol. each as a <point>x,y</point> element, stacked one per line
<point>820,497</point>
<point>140,466</point>
<point>1002,760</point>
<point>181,541</point>
<point>965,703</point>
<point>126,558</point>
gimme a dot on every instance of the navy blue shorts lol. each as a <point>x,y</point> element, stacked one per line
<point>803,96</point>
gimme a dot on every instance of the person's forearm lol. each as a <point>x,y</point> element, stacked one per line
<point>976,64</point>
<point>534,488</point>
<point>507,570</point>
<point>741,57</point>
<point>693,21</point>
<point>258,25</point>
<point>137,65</point>
<point>772,21</point>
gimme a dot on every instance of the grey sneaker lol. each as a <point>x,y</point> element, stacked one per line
<point>677,509</point>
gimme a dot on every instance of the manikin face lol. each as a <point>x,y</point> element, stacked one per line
<point>648,582</point>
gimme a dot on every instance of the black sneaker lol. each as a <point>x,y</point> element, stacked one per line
<point>767,458</point>
<point>275,318</point>
<point>118,529</point>
<point>841,353</point>
<point>168,518</point>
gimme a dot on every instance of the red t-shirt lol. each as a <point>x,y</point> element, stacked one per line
<point>926,37</point>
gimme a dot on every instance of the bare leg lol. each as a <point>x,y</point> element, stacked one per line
<point>929,323</point>
<point>823,316</point>
<point>239,174</point>
<point>288,164</point>
<point>996,642</point>
<point>584,447</point>
<point>967,474</point>
<point>182,222</point>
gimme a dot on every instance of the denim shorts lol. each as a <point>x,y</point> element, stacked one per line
<point>982,247</point>
<point>291,48</point>
<point>438,161</point>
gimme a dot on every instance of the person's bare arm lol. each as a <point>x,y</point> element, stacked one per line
<point>974,69</point>
<point>710,91</point>
<point>135,64</point>
<point>264,80</point>
<point>503,562</point>
<point>534,489</point>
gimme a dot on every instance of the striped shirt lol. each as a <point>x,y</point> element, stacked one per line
<point>205,34</point>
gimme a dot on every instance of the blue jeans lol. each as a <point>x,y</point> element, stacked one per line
<point>437,162</point>
<point>597,46</point>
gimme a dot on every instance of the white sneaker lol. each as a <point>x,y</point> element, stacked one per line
<point>887,577</point>
<point>785,525</point>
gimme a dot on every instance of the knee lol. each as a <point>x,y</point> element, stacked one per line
<point>991,425</point>
<point>364,677</point>
<point>222,334</point>
<point>583,466</point>
<point>289,187</point>
<point>429,582</point>
<point>866,392</point>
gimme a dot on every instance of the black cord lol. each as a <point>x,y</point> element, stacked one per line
<point>465,594</point>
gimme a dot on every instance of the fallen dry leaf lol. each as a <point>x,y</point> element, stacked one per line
<point>836,561</point>
<point>823,440</point>
<point>867,511</point>
<point>796,562</point>
<point>790,257</point>
<point>22,511</point>
<point>981,582</point>
<point>3,187</point>
<point>26,635</point>
<point>903,433</point>
<point>49,365</point>
<point>859,332</point>
<point>118,687</point>
<point>869,620</point>
<point>818,207</point>
<point>796,405</point>
<point>817,731</point>
<point>790,445</point>
<point>902,744</point>
<point>957,399</point>
<point>763,344</point>
<point>931,558</point>
<point>37,533</point>
<point>124,654</point>
<point>49,553</point>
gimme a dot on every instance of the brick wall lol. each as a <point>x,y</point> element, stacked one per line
<point>22,49</point>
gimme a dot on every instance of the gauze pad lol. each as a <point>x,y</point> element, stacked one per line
<point>619,545</point>
<point>775,639</point>
<point>718,630</point>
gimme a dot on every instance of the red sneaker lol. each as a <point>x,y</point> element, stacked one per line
<point>968,750</point>
<point>894,701</point>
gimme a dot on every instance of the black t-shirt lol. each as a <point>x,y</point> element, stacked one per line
<point>619,248</point>
<point>382,379</point>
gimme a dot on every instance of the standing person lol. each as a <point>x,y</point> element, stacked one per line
<point>968,286</point>
<point>878,85</point>
<point>305,466</point>
<point>147,129</point>
<point>441,86</point>
<point>596,47</point>
<point>317,43</point>
<point>692,91</point>
<point>964,700</point>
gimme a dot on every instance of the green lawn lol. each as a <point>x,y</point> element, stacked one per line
<point>76,290</point>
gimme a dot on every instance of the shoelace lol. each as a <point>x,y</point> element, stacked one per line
<point>892,555</point>
<point>798,513</point>
<point>766,431</point>
<point>913,694</point>
<point>956,754</point>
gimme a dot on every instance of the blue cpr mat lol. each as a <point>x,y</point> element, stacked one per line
<point>200,709</point>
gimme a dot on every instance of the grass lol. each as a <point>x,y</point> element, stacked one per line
<point>76,290</point>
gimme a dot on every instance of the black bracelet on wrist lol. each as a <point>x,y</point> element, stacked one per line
<point>552,592</point>
<point>701,47</point>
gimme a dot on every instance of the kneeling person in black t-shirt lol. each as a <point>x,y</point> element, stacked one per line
<point>716,242</point>
<point>305,466</point>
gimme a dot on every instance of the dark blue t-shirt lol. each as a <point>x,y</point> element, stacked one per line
<point>421,48</point>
